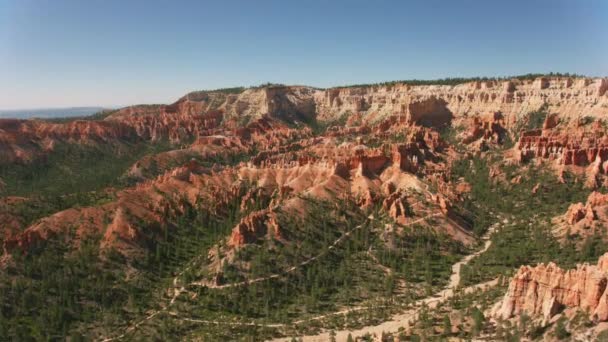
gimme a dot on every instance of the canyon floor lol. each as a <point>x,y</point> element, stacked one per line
<point>455,210</point>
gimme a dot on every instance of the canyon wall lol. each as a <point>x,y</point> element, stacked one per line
<point>547,289</point>
<point>203,113</point>
<point>567,97</point>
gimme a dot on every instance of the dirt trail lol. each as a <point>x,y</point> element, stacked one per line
<point>411,315</point>
<point>178,290</point>
<point>303,263</point>
<point>287,271</point>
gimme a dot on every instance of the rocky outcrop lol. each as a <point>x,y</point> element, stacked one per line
<point>199,113</point>
<point>431,112</point>
<point>578,147</point>
<point>583,220</point>
<point>547,289</point>
<point>551,121</point>
<point>26,140</point>
<point>577,212</point>
<point>570,146</point>
<point>255,226</point>
<point>315,167</point>
<point>289,103</point>
<point>390,140</point>
<point>266,134</point>
<point>173,124</point>
<point>139,214</point>
<point>514,98</point>
<point>183,121</point>
<point>488,128</point>
<point>397,207</point>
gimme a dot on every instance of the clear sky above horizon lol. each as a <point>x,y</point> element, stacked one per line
<point>105,53</point>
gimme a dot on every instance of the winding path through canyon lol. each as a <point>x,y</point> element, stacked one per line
<point>387,326</point>
<point>178,290</point>
<point>411,315</point>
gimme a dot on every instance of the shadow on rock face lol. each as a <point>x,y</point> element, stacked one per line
<point>432,112</point>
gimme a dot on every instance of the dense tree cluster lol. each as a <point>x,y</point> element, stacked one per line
<point>526,238</point>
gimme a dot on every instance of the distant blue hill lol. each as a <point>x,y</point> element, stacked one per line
<point>47,113</point>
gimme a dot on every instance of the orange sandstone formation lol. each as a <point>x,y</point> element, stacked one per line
<point>254,226</point>
<point>199,113</point>
<point>578,147</point>
<point>584,219</point>
<point>389,143</point>
<point>547,289</point>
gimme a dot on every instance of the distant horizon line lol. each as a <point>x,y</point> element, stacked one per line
<point>429,81</point>
<point>59,108</point>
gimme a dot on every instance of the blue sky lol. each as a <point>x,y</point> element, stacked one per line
<point>89,53</point>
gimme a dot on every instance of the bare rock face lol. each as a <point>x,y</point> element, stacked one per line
<point>254,226</point>
<point>26,140</point>
<point>541,83</point>
<point>586,219</point>
<point>397,207</point>
<point>580,149</point>
<point>389,141</point>
<point>176,122</point>
<point>489,128</point>
<point>431,112</point>
<point>576,212</point>
<point>199,113</point>
<point>551,121</point>
<point>602,87</point>
<point>547,289</point>
<point>195,115</point>
<point>514,98</point>
<point>290,164</point>
<point>536,188</point>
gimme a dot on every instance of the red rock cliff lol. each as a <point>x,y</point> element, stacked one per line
<point>547,289</point>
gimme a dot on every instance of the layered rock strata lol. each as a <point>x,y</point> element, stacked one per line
<point>197,113</point>
<point>547,289</point>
